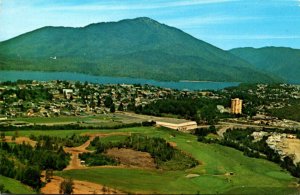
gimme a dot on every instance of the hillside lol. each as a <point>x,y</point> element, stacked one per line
<point>140,48</point>
<point>281,61</point>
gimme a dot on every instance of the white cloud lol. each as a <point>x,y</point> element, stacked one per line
<point>206,20</point>
<point>136,6</point>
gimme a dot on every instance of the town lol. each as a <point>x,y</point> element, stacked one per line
<point>246,117</point>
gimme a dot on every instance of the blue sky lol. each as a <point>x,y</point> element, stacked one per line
<point>224,23</point>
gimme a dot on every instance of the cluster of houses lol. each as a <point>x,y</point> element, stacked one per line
<point>275,96</point>
<point>74,98</point>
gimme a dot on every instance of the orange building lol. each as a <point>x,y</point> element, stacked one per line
<point>236,106</point>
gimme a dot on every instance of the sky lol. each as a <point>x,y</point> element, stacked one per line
<point>224,23</point>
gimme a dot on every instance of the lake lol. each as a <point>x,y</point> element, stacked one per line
<point>47,76</point>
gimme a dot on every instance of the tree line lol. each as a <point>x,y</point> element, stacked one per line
<point>68,141</point>
<point>201,110</point>
<point>25,162</point>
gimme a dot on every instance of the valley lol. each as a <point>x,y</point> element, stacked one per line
<point>150,97</point>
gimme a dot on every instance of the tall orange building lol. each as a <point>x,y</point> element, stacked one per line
<point>236,106</point>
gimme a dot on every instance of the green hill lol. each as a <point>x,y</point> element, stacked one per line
<point>281,61</point>
<point>140,48</point>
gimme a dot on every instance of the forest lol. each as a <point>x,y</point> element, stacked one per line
<point>25,162</point>
<point>201,110</point>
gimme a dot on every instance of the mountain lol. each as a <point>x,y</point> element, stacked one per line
<point>140,48</point>
<point>281,61</point>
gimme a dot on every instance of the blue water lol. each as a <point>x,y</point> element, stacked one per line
<point>47,76</point>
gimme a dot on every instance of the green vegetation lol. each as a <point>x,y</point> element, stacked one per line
<point>66,187</point>
<point>242,140</point>
<point>70,126</point>
<point>249,174</point>
<point>165,156</point>
<point>293,112</point>
<point>202,110</point>
<point>69,141</point>
<point>280,61</point>
<point>15,186</point>
<point>25,162</point>
<point>27,95</point>
<point>60,119</point>
<point>137,48</point>
<point>97,159</point>
<point>263,98</point>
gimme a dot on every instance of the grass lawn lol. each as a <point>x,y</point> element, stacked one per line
<point>74,119</point>
<point>51,119</point>
<point>64,133</point>
<point>250,175</point>
<point>15,186</point>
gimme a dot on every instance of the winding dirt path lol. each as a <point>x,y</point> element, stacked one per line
<point>81,187</point>
<point>75,151</point>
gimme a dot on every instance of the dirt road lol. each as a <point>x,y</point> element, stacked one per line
<point>75,151</point>
<point>20,140</point>
<point>80,187</point>
<point>223,130</point>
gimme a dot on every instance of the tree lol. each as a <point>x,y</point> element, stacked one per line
<point>108,102</point>
<point>2,135</point>
<point>66,187</point>
<point>32,177</point>
<point>112,108</point>
<point>121,107</point>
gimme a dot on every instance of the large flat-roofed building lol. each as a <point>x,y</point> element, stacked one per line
<point>68,93</point>
<point>236,106</point>
<point>185,126</point>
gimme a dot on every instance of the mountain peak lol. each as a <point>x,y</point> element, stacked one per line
<point>139,47</point>
<point>145,19</point>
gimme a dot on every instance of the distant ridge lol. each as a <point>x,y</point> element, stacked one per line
<point>138,48</point>
<point>281,61</point>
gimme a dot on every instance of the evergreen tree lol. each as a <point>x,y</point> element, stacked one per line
<point>121,107</point>
<point>112,108</point>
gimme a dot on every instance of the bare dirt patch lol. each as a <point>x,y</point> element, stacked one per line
<point>192,175</point>
<point>131,157</point>
<point>80,187</point>
<point>20,140</point>
<point>173,144</point>
<point>292,146</point>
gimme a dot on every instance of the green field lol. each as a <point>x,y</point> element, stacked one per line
<point>250,175</point>
<point>71,119</point>
<point>15,186</point>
